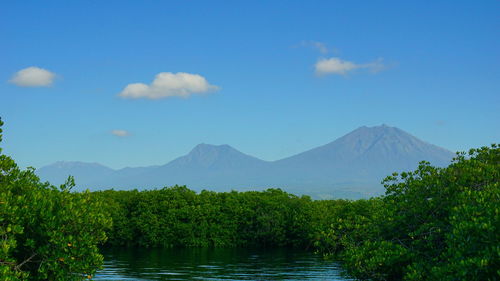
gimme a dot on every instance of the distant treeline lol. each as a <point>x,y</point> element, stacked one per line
<point>432,224</point>
<point>177,216</point>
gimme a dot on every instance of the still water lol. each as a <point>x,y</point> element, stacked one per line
<point>216,264</point>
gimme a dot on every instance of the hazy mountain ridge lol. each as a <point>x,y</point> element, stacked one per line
<point>58,172</point>
<point>351,166</point>
<point>215,157</point>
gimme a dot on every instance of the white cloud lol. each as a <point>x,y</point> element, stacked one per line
<point>120,133</point>
<point>335,65</point>
<point>33,77</point>
<point>168,84</point>
<point>321,47</point>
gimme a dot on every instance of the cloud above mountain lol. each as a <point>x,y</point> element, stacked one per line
<point>338,66</point>
<point>33,77</point>
<point>168,84</point>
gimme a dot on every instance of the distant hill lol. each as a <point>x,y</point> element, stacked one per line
<point>58,172</point>
<point>349,167</point>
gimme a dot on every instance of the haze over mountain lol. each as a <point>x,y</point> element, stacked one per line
<point>349,167</point>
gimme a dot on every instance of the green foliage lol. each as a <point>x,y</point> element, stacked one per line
<point>47,233</point>
<point>473,251</point>
<point>434,224</point>
<point>177,216</point>
<point>340,224</point>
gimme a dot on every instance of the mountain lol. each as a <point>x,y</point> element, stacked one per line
<point>215,158</point>
<point>215,167</point>
<point>349,167</point>
<point>58,172</point>
<point>360,160</point>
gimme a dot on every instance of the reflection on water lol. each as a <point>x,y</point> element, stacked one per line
<point>216,264</point>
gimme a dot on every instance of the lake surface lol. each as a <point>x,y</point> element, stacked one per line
<point>216,264</point>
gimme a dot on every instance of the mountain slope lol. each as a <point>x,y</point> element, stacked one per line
<point>58,172</point>
<point>215,157</point>
<point>217,167</point>
<point>369,151</point>
<point>361,159</point>
<point>351,166</point>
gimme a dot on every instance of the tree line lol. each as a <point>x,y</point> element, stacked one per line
<point>432,223</point>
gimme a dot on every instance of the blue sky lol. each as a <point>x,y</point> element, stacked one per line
<point>270,78</point>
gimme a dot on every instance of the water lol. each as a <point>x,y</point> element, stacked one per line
<point>216,264</point>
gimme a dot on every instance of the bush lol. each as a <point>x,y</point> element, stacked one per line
<point>436,224</point>
<point>47,233</point>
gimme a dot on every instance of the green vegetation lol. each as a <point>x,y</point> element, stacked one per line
<point>432,224</point>
<point>177,216</point>
<point>47,233</point>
